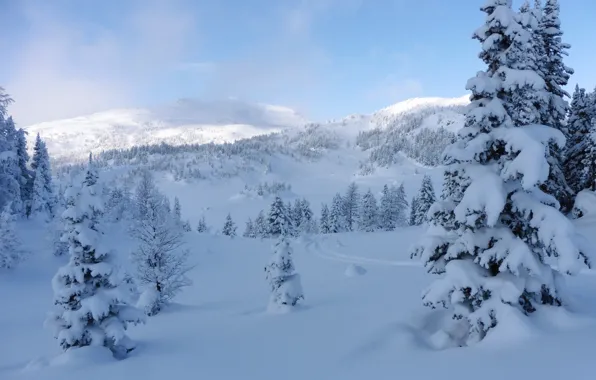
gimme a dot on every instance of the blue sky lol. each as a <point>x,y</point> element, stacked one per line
<point>326,58</point>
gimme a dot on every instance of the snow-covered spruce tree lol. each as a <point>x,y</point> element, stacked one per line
<point>11,250</point>
<point>351,207</point>
<point>26,179</point>
<point>550,51</point>
<point>89,289</point>
<point>337,221</point>
<point>308,224</point>
<point>161,261</point>
<point>177,212</point>
<point>202,225</point>
<point>399,205</point>
<point>43,201</point>
<point>186,227</point>
<point>324,225</point>
<point>284,282</point>
<point>581,149</point>
<point>10,173</point>
<point>143,193</point>
<point>413,212</point>
<point>229,228</point>
<point>495,229</point>
<point>369,217</point>
<point>296,215</point>
<point>261,225</point>
<point>249,230</point>
<point>424,200</point>
<point>117,205</point>
<point>386,212</point>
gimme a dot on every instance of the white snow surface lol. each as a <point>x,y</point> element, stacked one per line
<point>220,327</point>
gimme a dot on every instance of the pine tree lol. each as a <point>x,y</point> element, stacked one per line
<point>580,163</point>
<point>26,179</point>
<point>89,289</point>
<point>307,221</point>
<point>202,226</point>
<point>550,53</point>
<point>43,201</point>
<point>399,205</point>
<point>369,220</point>
<point>186,226</point>
<point>11,250</point>
<point>161,261</point>
<point>414,212</point>
<point>10,173</point>
<point>249,231</point>
<point>284,282</point>
<point>424,200</point>
<point>336,216</point>
<point>229,228</point>
<point>351,207</point>
<point>177,211</point>
<point>493,257</point>
<point>261,226</point>
<point>279,220</point>
<point>117,205</point>
<point>325,225</point>
<point>386,215</point>
<point>296,215</point>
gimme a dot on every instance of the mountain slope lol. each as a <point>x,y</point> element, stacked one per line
<point>184,122</point>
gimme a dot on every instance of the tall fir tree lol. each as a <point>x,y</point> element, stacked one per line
<point>26,179</point>
<point>424,200</point>
<point>249,230</point>
<point>229,228</point>
<point>279,219</point>
<point>89,288</point>
<point>336,216</point>
<point>10,172</point>
<point>399,205</point>
<point>325,224</point>
<point>369,217</point>
<point>499,229</point>
<point>177,211</point>
<point>386,212</point>
<point>550,53</point>
<point>202,225</point>
<point>43,200</point>
<point>261,225</point>
<point>11,248</point>
<point>351,207</point>
<point>581,149</point>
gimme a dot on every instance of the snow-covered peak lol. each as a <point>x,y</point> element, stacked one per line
<point>186,121</point>
<point>418,103</point>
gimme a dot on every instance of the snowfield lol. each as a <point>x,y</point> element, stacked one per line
<point>369,326</point>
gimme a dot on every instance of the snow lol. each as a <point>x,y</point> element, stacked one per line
<point>354,270</point>
<point>345,329</point>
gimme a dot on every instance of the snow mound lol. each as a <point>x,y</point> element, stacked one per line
<point>354,270</point>
<point>585,204</point>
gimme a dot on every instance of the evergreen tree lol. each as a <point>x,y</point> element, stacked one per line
<point>43,201</point>
<point>177,211</point>
<point>307,221</point>
<point>161,261</point>
<point>325,225</point>
<point>11,251</point>
<point>580,163</point>
<point>117,205</point>
<point>550,54</point>
<point>89,289</point>
<point>229,228</point>
<point>369,220</point>
<point>493,257</point>
<point>261,225</point>
<point>249,231</point>
<point>351,207</point>
<point>424,200</point>
<point>336,216</point>
<point>399,206</point>
<point>186,226</point>
<point>284,282</point>
<point>386,213</point>
<point>296,215</point>
<point>10,173</point>
<point>279,220</point>
<point>202,226</point>
<point>414,212</point>
<point>26,179</point>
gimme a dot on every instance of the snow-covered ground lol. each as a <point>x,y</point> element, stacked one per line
<point>349,327</point>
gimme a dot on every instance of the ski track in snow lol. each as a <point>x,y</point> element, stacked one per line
<point>330,254</point>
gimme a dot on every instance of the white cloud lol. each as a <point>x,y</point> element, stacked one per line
<point>69,67</point>
<point>394,89</point>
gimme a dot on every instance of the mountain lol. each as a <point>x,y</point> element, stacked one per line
<point>183,122</point>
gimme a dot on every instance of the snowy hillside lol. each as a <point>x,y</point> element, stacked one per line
<point>184,122</point>
<point>198,122</point>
